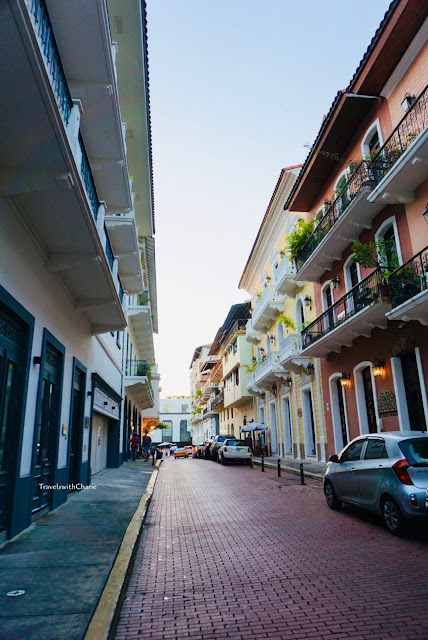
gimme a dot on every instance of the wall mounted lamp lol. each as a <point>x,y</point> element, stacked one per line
<point>310,369</point>
<point>288,381</point>
<point>335,282</point>
<point>272,338</point>
<point>378,367</point>
<point>345,379</point>
<point>262,351</point>
<point>89,394</point>
<point>308,301</point>
<point>268,278</point>
<point>254,359</point>
<point>407,102</point>
<point>105,403</point>
<point>37,360</point>
<point>274,389</point>
<point>281,253</point>
<point>245,420</point>
<point>426,214</point>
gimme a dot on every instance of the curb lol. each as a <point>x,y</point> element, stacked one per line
<point>103,617</point>
<point>296,472</point>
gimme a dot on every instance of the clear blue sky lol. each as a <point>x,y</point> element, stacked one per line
<point>238,88</point>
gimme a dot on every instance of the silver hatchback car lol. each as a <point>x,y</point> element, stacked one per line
<point>385,473</point>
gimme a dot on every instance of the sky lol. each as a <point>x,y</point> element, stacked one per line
<point>238,90</point>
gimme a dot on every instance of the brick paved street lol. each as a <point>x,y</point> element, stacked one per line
<point>268,561</point>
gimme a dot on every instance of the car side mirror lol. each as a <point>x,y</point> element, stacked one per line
<point>334,458</point>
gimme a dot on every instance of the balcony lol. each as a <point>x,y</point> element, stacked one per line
<point>358,312</point>
<point>218,401</point>
<point>343,222</point>
<point>269,370</point>
<point>123,233</point>
<point>266,308</point>
<point>401,165</point>
<point>251,335</point>
<point>289,353</point>
<point>137,384</point>
<point>140,320</point>
<point>392,176</point>
<point>408,288</point>
<point>51,185</point>
<point>284,277</point>
<point>88,57</point>
<point>236,395</point>
<point>208,389</point>
<point>253,388</point>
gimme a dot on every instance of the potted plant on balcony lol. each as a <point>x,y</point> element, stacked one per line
<point>298,238</point>
<point>377,255</point>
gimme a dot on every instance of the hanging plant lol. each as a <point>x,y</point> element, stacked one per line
<point>286,321</point>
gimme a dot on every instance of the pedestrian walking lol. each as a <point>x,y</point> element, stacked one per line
<point>135,444</point>
<point>249,443</point>
<point>146,445</point>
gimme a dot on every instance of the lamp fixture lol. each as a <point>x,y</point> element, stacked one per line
<point>288,381</point>
<point>308,301</point>
<point>378,367</point>
<point>310,369</point>
<point>245,420</point>
<point>272,338</point>
<point>345,379</point>
<point>89,394</point>
<point>262,350</point>
<point>105,403</point>
<point>268,278</point>
<point>37,360</point>
<point>254,359</point>
<point>281,253</point>
<point>425,214</point>
<point>407,101</point>
<point>335,282</point>
<point>274,389</point>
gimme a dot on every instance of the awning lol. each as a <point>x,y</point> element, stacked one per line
<point>254,426</point>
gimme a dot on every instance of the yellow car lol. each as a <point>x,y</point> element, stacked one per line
<point>180,453</point>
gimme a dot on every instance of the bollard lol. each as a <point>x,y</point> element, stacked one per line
<point>263,461</point>
<point>153,458</point>
<point>302,474</point>
<point>279,468</point>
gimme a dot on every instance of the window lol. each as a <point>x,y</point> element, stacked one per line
<point>374,143</point>
<point>372,140</point>
<point>353,452</point>
<point>166,408</point>
<point>375,449</point>
<point>388,232</point>
<point>299,314</point>
<point>341,194</point>
<point>237,377</point>
<point>184,408</point>
<point>184,431</point>
<point>167,433</point>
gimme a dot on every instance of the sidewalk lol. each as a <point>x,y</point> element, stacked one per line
<point>311,469</point>
<point>63,561</point>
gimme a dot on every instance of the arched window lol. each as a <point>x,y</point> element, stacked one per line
<point>341,193</point>
<point>280,332</point>
<point>299,313</point>
<point>372,140</point>
<point>388,232</point>
<point>268,344</point>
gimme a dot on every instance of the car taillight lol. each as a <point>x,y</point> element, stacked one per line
<point>400,470</point>
<point>225,448</point>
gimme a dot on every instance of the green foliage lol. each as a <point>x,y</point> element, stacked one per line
<point>198,392</point>
<point>197,410</point>
<point>248,368</point>
<point>297,239</point>
<point>375,255</point>
<point>161,425</point>
<point>286,321</point>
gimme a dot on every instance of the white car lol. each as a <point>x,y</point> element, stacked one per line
<point>234,450</point>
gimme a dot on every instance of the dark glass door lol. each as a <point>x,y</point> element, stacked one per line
<point>342,413</point>
<point>328,302</point>
<point>412,387</point>
<point>13,350</point>
<point>47,431</point>
<point>368,395</point>
<point>76,424</point>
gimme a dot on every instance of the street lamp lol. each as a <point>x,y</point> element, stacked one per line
<point>345,379</point>
<point>378,367</point>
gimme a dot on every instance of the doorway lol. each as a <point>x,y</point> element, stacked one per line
<point>274,436</point>
<point>76,423</point>
<point>288,438</point>
<point>412,388</point>
<point>47,426</point>
<point>369,399</point>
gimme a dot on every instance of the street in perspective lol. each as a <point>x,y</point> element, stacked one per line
<point>213,320</point>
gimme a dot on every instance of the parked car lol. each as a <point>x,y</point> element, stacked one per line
<point>385,473</point>
<point>204,450</point>
<point>180,453</point>
<point>189,448</point>
<point>173,449</point>
<point>234,450</point>
<point>218,441</point>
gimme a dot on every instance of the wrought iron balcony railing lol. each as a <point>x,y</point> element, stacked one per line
<point>136,368</point>
<point>409,279</point>
<point>370,172</point>
<point>44,32</point>
<point>88,180</point>
<point>359,297</point>
<point>109,249</point>
<point>218,399</point>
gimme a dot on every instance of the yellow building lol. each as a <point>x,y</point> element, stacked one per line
<point>286,386</point>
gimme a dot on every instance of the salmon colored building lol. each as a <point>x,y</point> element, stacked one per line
<point>365,181</point>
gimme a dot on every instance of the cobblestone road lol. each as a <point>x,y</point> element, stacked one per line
<point>229,552</point>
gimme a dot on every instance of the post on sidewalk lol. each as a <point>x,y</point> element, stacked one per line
<point>263,461</point>
<point>279,468</point>
<point>302,474</point>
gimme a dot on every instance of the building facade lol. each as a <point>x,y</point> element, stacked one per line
<point>286,385</point>
<point>75,249</point>
<point>176,414</point>
<point>365,185</point>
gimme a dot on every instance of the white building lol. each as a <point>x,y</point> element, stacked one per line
<point>76,237</point>
<point>176,413</point>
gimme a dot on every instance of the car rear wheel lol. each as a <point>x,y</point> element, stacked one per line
<point>392,516</point>
<point>222,461</point>
<point>330,495</point>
